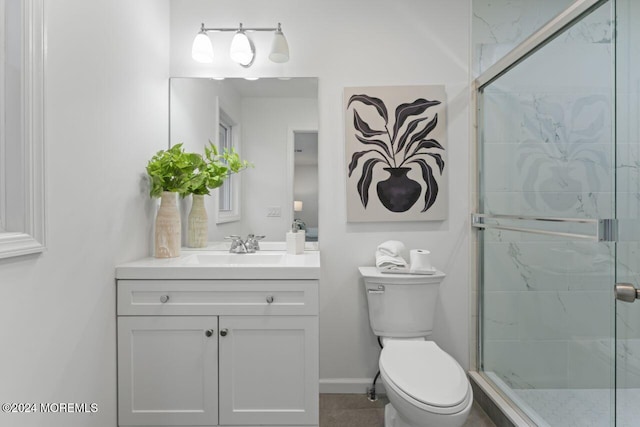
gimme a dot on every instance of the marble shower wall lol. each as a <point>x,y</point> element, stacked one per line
<point>500,25</point>
<point>547,150</point>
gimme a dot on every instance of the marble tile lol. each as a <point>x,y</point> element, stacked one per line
<point>528,364</point>
<point>547,266</point>
<point>499,25</point>
<point>501,315</point>
<point>591,363</point>
<point>554,315</point>
<point>573,407</point>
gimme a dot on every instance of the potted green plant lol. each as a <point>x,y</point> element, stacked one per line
<point>210,173</point>
<point>170,172</point>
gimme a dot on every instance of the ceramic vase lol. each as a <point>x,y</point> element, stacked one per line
<point>398,193</point>
<point>197,226</point>
<point>167,235</point>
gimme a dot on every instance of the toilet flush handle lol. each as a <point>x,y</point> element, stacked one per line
<point>380,290</point>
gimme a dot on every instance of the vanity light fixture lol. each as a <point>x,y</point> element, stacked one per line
<point>242,49</point>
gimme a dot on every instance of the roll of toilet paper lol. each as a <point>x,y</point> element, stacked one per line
<point>420,262</point>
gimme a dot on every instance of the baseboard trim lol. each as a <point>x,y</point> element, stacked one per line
<point>349,385</point>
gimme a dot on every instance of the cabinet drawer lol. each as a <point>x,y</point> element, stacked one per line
<point>217,297</point>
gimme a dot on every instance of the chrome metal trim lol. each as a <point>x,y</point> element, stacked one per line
<point>626,292</point>
<point>606,228</point>
<point>204,29</point>
<point>538,39</point>
<point>476,216</point>
<point>534,231</point>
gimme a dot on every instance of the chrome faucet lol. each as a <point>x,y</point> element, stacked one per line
<point>252,243</point>
<point>248,246</point>
<point>237,245</point>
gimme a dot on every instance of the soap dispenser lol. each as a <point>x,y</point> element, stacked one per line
<point>295,240</point>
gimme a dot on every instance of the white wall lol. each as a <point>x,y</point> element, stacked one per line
<point>360,43</point>
<point>105,115</point>
<point>268,124</point>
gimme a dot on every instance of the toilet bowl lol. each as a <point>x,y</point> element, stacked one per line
<point>426,387</point>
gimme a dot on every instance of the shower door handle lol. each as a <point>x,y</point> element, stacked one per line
<point>626,292</point>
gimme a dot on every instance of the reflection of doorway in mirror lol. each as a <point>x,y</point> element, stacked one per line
<point>305,182</point>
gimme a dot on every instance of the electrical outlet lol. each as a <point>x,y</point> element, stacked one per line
<point>274,211</point>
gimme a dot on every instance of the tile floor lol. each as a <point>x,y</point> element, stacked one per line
<point>355,410</point>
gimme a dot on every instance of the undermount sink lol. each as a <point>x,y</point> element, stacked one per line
<point>257,259</point>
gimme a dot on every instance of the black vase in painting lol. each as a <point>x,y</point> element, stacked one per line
<point>398,193</point>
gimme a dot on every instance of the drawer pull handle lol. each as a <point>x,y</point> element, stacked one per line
<point>224,332</point>
<point>209,332</point>
<point>269,299</point>
<point>164,298</point>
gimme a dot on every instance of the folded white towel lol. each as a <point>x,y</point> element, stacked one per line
<point>389,256</point>
<point>387,262</point>
<point>392,248</point>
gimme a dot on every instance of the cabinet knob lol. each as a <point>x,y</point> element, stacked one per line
<point>269,299</point>
<point>208,332</point>
<point>224,332</point>
<point>164,298</point>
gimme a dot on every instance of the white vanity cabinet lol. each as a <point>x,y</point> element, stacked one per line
<point>217,352</point>
<point>167,370</point>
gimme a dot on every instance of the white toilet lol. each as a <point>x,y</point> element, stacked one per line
<point>426,386</point>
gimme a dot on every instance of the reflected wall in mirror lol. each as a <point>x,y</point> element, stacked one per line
<point>305,182</point>
<point>272,123</point>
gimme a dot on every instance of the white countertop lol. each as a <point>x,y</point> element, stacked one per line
<point>214,264</point>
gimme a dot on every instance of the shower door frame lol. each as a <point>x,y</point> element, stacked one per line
<point>547,33</point>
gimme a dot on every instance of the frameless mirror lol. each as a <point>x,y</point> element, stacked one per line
<point>271,122</point>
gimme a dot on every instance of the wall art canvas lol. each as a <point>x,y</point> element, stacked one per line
<point>396,152</point>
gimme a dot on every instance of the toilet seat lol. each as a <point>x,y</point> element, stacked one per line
<point>425,375</point>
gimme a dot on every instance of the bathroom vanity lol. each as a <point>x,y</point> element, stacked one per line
<point>218,339</point>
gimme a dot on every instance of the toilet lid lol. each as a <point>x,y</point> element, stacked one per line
<point>424,372</point>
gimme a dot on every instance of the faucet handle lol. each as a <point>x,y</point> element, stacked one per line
<point>237,245</point>
<point>252,242</point>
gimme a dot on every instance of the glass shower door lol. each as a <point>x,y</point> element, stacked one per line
<point>628,210</point>
<point>547,207</point>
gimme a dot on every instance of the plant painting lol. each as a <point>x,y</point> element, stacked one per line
<point>395,139</point>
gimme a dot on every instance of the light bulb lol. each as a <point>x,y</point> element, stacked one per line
<point>202,50</point>
<point>279,47</point>
<point>242,50</point>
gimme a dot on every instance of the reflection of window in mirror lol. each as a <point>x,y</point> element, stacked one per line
<point>225,190</point>
<point>228,196</point>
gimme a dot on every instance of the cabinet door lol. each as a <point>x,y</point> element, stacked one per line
<point>268,370</point>
<point>167,371</point>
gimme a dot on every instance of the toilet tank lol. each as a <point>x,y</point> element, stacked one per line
<point>401,305</point>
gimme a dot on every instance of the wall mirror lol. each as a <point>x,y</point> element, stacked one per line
<point>271,122</point>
